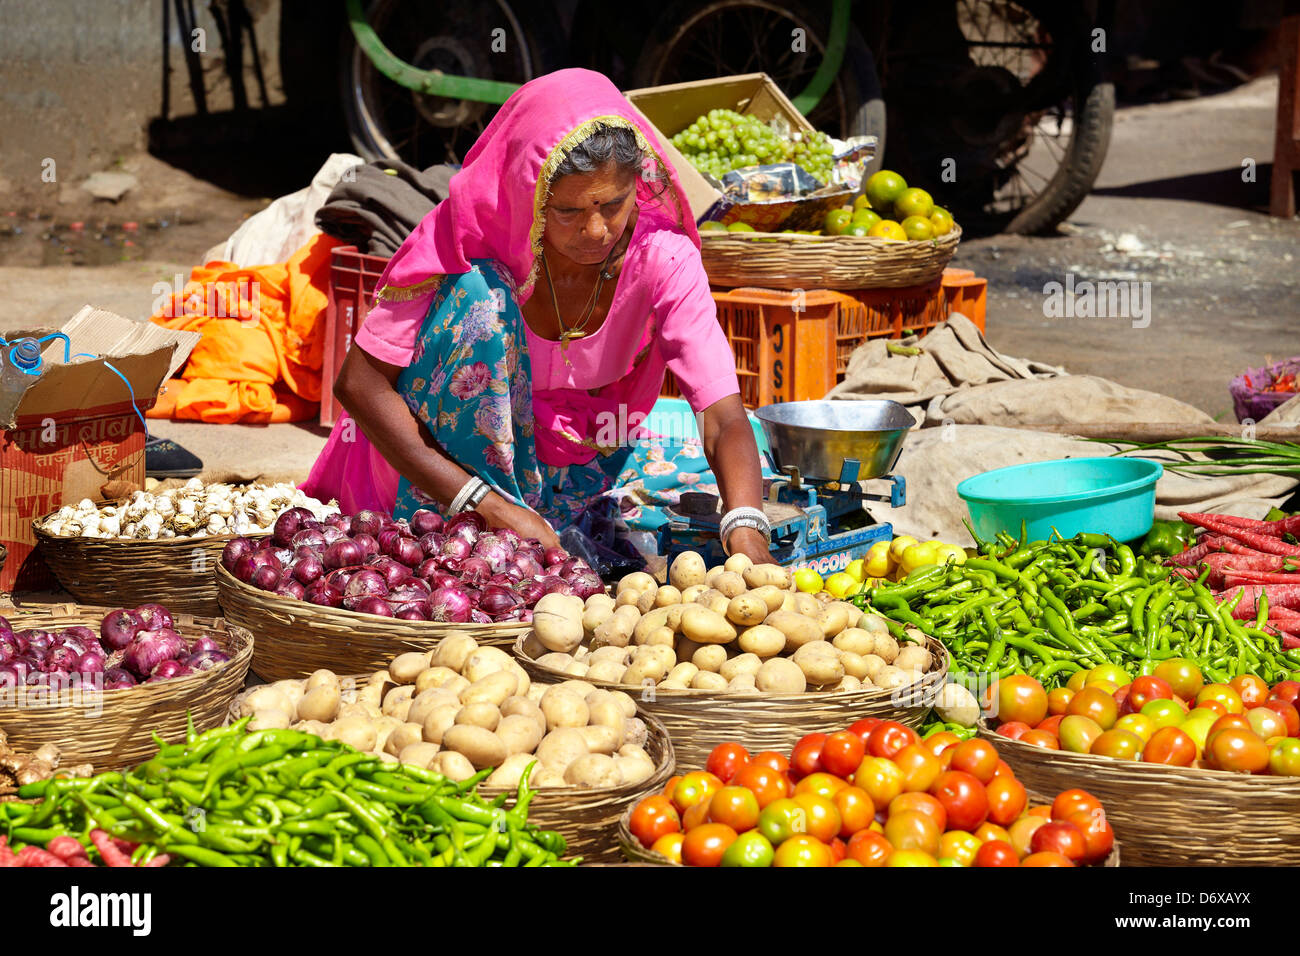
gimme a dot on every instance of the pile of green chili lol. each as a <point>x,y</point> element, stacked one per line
<point>285,798</point>
<point>1051,608</point>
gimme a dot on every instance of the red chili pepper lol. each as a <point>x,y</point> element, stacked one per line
<point>108,849</point>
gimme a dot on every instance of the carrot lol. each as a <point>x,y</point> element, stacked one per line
<point>1219,542</point>
<point>108,849</point>
<point>7,856</point>
<point>1190,556</point>
<point>66,848</point>
<point>35,856</point>
<point>1260,542</point>
<point>1279,595</point>
<point>1275,529</point>
<point>1232,578</point>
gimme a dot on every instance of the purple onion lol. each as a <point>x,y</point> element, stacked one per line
<point>523,615</point>
<point>289,524</point>
<point>425,521</point>
<point>410,590</point>
<point>290,588</point>
<point>367,522</point>
<point>497,601</point>
<point>414,611</point>
<point>79,632</point>
<point>431,543</point>
<point>151,648</point>
<point>39,642</point>
<point>5,626</point>
<point>366,583</point>
<point>477,616</point>
<point>172,668</point>
<point>495,550</point>
<point>475,571</point>
<point>90,662</point>
<point>531,591</point>
<point>368,543</point>
<point>408,552</point>
<point>205,660</point>
<point>472,520</point>
<point>116,678</point>
<point>60,660</point>
<point>452,565</point>
<point>586,583</point>
<point>203,642</point>
<point>394,573</point>
<point>372,605</point>
<point>449,604</point>
<point>8,648</point>
<point>309,538</point>
<point>332,535</point>
<point>235,549</point>
<point>308,568</point>
<point>266,578</point>
<point>551,583</point>
<point>527,565</point>
<point>119,627</point>
<point>387,539</point>
<point>458,548</point>
<point>154,616</point>
<point>341,521</point>
<point>11,676</point>
<point>554,556</point>
<point>427,568</point>
<point>324,594</point>
<point>343,554</point>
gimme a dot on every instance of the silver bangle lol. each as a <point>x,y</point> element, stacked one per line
<point>467,491</point>
<point>749,514</point>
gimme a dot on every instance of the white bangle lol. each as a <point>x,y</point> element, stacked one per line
<point>743,518</point>
<point>467,493</point>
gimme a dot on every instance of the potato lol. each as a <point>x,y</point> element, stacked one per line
<point>770,595</point>
<point>419,754</point>
<point>479,714</point>
<point>740,664</point>
<point>270,719</point>
<point>405,668</point>
<point>730,583</point>
<point>378,677</point>
<point>604,708</point>
<point>788,603</point>
<point>310,727</point>
<point>437,721</point>
<point>886,647</point>
<point>707,627</point>
<point>354,709</point>
<point>714,600</point>
<point>824,597</point>
<point>580,687</point>
<point>452,765</point>
<point>674,621</point>
<point>403,735</point>
<point>833,619</point>
<point>581,655</point>
<point>890,677</point>
<point>561,747</point>
<point>762,574</point>
<point>619,655</point>
<point>519,733</point>
<point>544,777</point>
<point>372,694</point>
<point>422,704</point>
<point>511,770</point>
<point>617,631</point>
<point>799,629</point>
<point>453,651</point>
<point>667,596</point>
<point>484,661</point>
<point>913,657</point>
<point>295,690</point>
<point>746,610</point>
<point>628,598</point>
<point>741,684</point>
<point>710,657</point>
<point>609,671</point>
<point>318,678</point>
<point>738,563</point>
<point>321,703</point>
<point>686,571</point>
<point>597,609</point>
<point>957,705</point>
<point>555,661</point>
<point>634,771</point>
<point>646,602</point>
<point>535,692</point>
<point>601,738</point>
<point>662,653</point>
<point>577,669</point>
<point>523,707</point>
<point>637,581</point>
<point>626,702</point>
<point>683,673</point>
<point>656,619</point>
<point>564,708</point>
<point>661,636</point>
<point>708,680</point>
<point>712,574</point>
<point>780,675</point>
<point>642,673</point>
<point>855,665</point>
<point>356,732</point>
<point>819,662</point>
<point>873,664</point>
<point>761,639</point>
<point>480,746</point>
<point>635,732</point>
<point>692,594</point>
<point>686,648</point>
<point>557,621</point>
<point>808,605</point>
<point>667,684</point>
<point>854,640</point>
<point>493,689</point>
<point>847,682</point>
<point>266,697</point>
<point>595,771</point>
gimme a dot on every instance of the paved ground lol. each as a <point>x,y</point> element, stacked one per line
<point>1171,209</point>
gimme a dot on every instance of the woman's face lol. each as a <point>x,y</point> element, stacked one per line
<point>588,212</point>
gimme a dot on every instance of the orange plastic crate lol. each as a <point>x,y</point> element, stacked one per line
<point>353,278</point>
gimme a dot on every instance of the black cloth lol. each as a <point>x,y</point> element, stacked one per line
<point>377,209</point>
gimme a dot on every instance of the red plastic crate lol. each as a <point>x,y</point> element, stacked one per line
<point>353,279</point>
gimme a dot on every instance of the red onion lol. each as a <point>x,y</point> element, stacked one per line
<point>368,543</point>
<point>393,573</point>
<point>455,547</point>
<point>452,565</point>
<point>168,669</point>
<point>497,601</point>
<point>466,519</point>
<point>367,522</point>
<point>39,642</point>
<point>449,604</point>
<point>553,556</point>
<point>475,571</point>
<point>90,662</point>
<point>531,591</point>
<point>266,578</point>
<point>474,595</point>
<point>82,634</point>
<point>265,544</point>
<point>424,521</point>
<point>479,617</point>
<point>116,677</point>
<point>493,549</point>
<point>205,660</point>
<point>371,605</point>
<point>290,588</point>
<point>427,569</point>
<point>310,539</point>
<point>414,611</point>
<point>151,648</point>
<point>412,590</point>
<point>431,543</point>
<point>527,565</point>
<point>5,626</point>
<point>408,552</point>
<point>342,554</point>
<point>235,549</point>
<point>118,628</point>
<point>11,677</point>
<point>60,660</point>
<point>331,534</point>
<point>154,616</point>
<point>551,583</point>
<point>244,568</point>
<point>387,538</point>
<point>366,583</point>
<point>308,568</point>
<point>570,566</point>
<point>340,521</point>
<point>322,593</point>
<point>511,537</point>
<point>524,615</point>
<point>288,524</point>
<point>8,648</point>
<point>586,583</point>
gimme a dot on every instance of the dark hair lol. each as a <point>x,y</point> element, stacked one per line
<point>606,144</point>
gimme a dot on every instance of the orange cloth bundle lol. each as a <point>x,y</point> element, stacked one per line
<point>263,337</point>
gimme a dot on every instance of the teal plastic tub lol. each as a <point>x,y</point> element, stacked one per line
<point>1115,496</point>
<point>673,418</point>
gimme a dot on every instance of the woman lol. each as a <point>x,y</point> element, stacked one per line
<point>527,318</point>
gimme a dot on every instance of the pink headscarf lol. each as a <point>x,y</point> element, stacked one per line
<point>496,205</point>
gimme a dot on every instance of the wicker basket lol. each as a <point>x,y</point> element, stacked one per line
<point>114,728</point>
<point>124,572</point>
<point>1163,814</point>
<point>792,261</point>
<point>295,637</point>
<point>636,853</point>
<point>699,720</point>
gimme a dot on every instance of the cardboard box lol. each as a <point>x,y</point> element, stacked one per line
<point>670,109</point>
<point>74,428</point>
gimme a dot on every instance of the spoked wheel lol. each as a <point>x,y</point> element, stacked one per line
<point>693,41</point>
<point>1000,109</point>
<point>483,40</point>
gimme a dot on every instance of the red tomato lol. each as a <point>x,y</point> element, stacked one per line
<point>1227,722</point>
<point>1287,690</point>
<point>1239,750</point>
<point>920,803</point>
<point>766,783</point>
<point>1225,694</point>
<point>654,817</point>
<point>671,785</point>
<point>770,758</point>
<point>1095,703</point>
<point>996,853</point>
<point>1004,769</point>
<point>1059,836</point>
<point>806,757</point>
<point>856,810</point>
<point>821,783</point>
<point>1098,837</point>
<point>1143,690</point>
<point>937,743</point>
<point>863,728</point>
<point>1121,697</point>
<point>1020,697</point>
<point>696,815</point>
<point>694,787</point>
<point>821,816</point>
<point>705,844</point>
<point>1046,859</point>
<point>920,768</point>
<point>1251,689</point>
<point>1215,705</point>
<point>726,761</point>
<point>839,850</point>
<point>1183,677</point>
<point>869,848</point>
<point>963,797</point>
<point>1287,711</point>
<point>1014,729</point>
<point>1171,746</point>
<point>912,831</point>
<point>1022,831</point>
<point>1007,800</point>
<point>1041,738</point>
<point>888,738</point>
<point>1072,801</point>
<point>737,807</point>
<point>976,757</point>
<point>842,753</point>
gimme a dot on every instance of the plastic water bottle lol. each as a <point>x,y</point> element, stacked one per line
<point>20,363</point>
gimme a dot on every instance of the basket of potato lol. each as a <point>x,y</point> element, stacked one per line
<point>734,653</point>
<point>463,708</point>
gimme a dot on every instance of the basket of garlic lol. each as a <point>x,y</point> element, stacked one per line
<point>160,546</point>
<point>734,653</point>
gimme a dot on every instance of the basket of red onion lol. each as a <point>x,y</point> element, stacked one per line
<point>350,592</point>
<point>100,683</point>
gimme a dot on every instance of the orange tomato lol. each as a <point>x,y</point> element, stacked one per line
<point>696,815</point>
<point>1058,699</point>
<point>881,779</point>
<point>937,743</point>
<point>1052,725</point>
<point>1022,831</point>
<point>1098,837</point>
<point>1020,698</point>
<point>1170,746</point>
<point>1287,711</point>
<point>821,815</point>
<point>670,845</point>
<point>960,846</point>
<point>671,784</point>
<point>1239,750</point>
<point>869,848</point>
<point>821,783</point>
<point>1048,858</point>
<point>1094,703</point>
<point>856,810</point>
<point>767,784</point>
<point>911,858</point>
<point>803,850</point>
<point>977,757</point>
<point>1072,801</point>
<point>1040,811</point>
<point>1225,694</point>
<point>1004,769</point>
<point>989,832</point>
<point>726,760</point>
<point>913,831</point>
<point>654,817</point>
<point>1007,800</point>
<point>695,786</point>
<point>704,845</point>
<point>996,853</point>
<point>920,768</point>
<point>1212,704</point>
<point>1041,738</point>
<point>737,807</point>
<point>920,803</point>
<point>1252,690</point>
<point>842,752</point>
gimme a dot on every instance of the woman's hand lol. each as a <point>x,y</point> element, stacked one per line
<point>527,523</point>
<point>752,544</point>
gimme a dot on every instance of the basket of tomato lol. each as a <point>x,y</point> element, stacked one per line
<point>1167,752</point>
<point>875,794</point>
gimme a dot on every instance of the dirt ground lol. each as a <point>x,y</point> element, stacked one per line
<point>1171,208</point>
